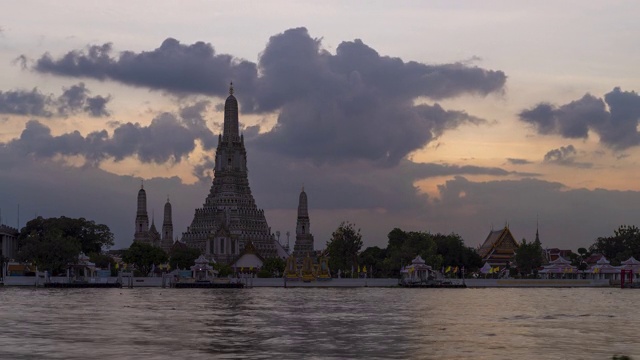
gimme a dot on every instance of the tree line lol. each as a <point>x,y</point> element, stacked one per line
<point>54,243</point>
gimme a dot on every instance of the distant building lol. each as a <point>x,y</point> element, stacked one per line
<point>499,248</point>
<point>304,239</point>
<point>553,254</point>
<point>8,241</point>
<point>229,218</point>
<point>149,234</point>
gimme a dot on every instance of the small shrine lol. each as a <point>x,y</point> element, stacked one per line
<point>560,267</point>
<point>416,273</point>
<point>308,273</point>
<point>291,269</point>
<point>202,271</point>
<point>323,272</point>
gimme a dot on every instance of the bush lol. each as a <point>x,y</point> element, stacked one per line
<point>264,274</point>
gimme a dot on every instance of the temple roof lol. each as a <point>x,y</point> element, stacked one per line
<point>499,241</point>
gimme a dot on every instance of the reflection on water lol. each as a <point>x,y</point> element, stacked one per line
<point>326,323</point>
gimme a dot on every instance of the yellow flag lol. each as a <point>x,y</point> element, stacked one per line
<point>448,269</point>
<point>358,268</point>
<point>364,268</point>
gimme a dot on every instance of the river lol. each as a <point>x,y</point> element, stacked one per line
<point>320,323</point>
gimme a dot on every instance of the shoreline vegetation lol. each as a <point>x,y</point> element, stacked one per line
<point>54,244</point>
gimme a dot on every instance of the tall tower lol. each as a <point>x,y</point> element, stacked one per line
<point>304,238</point>
<point>229,218</point>
<point>167,228</point>
<point>142,219</point>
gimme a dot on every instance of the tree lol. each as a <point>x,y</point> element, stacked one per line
<point>622,245</point>
<point>144,256</point>
<point>49,251</point>
<point>404,246</point>
<point>274,266</point>
<point>529,257</point>
<point>93,238</point>
<point>455,254</point>
<point>343,247</point>
<point>373,259</point>
<point>183,257</point>
<point>54,243</point>
<point>223,270</point>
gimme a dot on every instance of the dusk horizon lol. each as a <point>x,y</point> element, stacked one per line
<point>445,122</point>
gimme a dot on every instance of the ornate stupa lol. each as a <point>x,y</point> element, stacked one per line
<point>229,217</point>
<point>304,239</point>
<point>141,233</point>
<point>167,228</point>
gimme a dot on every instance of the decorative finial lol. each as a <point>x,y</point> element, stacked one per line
<point>167,197</point>
<point>231,88</point>
<point>142,184</point>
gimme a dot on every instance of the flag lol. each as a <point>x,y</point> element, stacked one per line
<point>455,269</point>
<point>364,268</point>
<point>358,268</point>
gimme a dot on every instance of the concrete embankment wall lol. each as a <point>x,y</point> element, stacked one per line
<point>279,282</point>
<point>483,283</point>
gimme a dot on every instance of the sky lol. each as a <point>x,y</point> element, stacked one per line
<point>447,117</point>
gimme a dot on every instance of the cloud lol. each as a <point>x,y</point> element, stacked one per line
<point>516,161</point>
<point>169,138</point>
<point>21,102</point>
<point>565,156</point>
<point>567,218</point>
<point>615,119</point>
<point>354,104</point>
<point>172,67</point>
<point>72,101</point>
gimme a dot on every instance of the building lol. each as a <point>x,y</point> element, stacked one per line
<point>8,241</point>
<point>304,239</point>
<point>229,218</point>
<point>499,248</point>
<point>149,234</point>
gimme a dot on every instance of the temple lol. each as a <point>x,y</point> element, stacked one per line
<point>304,239</point>
<point>229,218</point>
<point>149,234</point>
<point>499,248</point>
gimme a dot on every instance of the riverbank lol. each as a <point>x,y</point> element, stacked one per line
<point>280,282</point>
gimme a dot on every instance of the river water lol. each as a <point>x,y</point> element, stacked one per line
<point>321,323</point>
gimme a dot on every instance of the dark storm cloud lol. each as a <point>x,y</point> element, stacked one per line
<point>21,102</point>
<point>193,118</point>
<point>356,104</point>
<point>172,67</point>
<point>566,156</point>
<point>379,132</point>
<point>516,161</point>
<point>567,218</point>
<point>97,106</point>
<point>168,138</point>
<point>615,119</point>
<point>34,103</point>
